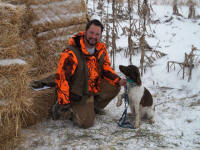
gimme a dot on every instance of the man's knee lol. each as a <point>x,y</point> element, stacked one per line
<point>84,114</point>
<point>87,124</point>
<point>116,90</point>
<point>108,92</point>
<point>84,122</point>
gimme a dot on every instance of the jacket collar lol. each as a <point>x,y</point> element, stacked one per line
<point>130,83</point>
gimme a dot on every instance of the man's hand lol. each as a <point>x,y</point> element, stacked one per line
<point>122,82</point>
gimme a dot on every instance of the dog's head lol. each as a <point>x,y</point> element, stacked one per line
<point>131,72</point>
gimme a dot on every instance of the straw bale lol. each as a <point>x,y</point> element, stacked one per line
<point>13,102</point>
<point>10,19</point>
<point>8,52</point>
<point>11,119</point>
<point>58,14</point>
<point>11,13</point>
<point>23,112</point>
<point>9,34</point>
<point>13,81</point>
<point>16,37</point>
<point>10,124</point>
<point>42,102</point>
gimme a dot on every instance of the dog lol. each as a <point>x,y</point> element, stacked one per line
<point>140,99</point>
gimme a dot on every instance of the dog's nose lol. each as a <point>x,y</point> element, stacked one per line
<point>121,67</point>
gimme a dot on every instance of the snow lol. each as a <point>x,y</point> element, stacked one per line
<point>4,102</point>
<point>7,62</point>
<point>8,5</point>
<point>176,101</point>
<point>43,88</point>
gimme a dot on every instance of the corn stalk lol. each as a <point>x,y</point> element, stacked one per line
<point>189,63</point>
<point>114,47</point>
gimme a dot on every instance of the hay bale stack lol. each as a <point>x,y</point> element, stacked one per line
<point>16,38</point>
<point>53,23</point>
<point>13,78</point>
<point>20,106</point>
<point>35,31</point>
<point>13,102</point>
<point>38,30</point>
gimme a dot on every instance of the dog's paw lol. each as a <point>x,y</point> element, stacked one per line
<point>130,114</point>
<point>119,102</point>
<point>137,125</point>
<point>151,121</point>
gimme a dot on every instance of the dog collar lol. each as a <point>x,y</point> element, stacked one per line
<point>131,82</point>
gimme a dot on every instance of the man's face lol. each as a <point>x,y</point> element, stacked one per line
<point>93,35</point>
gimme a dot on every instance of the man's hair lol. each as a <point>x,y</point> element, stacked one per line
<point>96,23</point>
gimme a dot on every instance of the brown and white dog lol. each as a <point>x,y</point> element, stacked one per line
<point>140,99</point>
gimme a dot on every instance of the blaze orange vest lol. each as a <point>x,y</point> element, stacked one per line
<point>79,81</point>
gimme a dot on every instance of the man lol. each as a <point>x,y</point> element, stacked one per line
<point>85,81</point>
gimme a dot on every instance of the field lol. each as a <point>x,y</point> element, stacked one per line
<point>176,101</point>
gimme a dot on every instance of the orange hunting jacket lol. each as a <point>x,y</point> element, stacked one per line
<point>68,63</point>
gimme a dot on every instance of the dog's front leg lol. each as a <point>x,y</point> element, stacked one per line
<point>138,115</point>
<point>119,102</point>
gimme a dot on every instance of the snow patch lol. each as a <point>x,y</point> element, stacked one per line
<point>7,62</point>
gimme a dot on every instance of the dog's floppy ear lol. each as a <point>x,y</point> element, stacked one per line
<point>135,75</point>
<point>138,81</point>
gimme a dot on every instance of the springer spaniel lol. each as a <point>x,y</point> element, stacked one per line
<point>140,99</point>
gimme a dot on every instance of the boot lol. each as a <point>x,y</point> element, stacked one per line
<point>59,109</point>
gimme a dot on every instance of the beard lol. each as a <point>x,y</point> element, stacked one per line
<point>91,41</point>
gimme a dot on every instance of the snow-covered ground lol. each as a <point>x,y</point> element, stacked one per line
<point>177,101</point>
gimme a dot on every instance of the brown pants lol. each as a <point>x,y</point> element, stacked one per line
<point>84,114</point>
